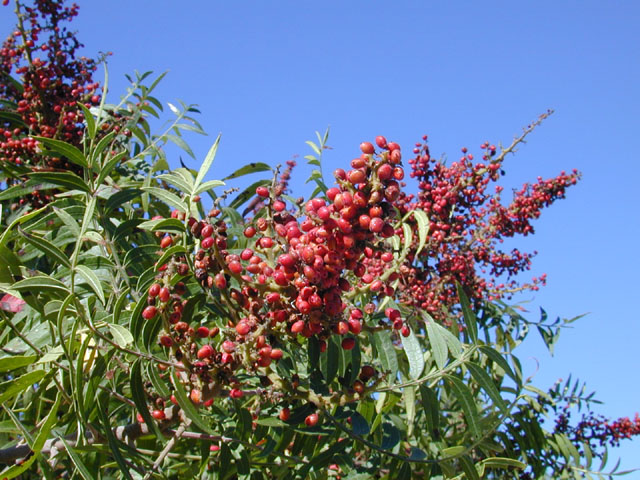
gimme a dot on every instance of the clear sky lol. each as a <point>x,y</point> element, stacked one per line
<point>268,74</point>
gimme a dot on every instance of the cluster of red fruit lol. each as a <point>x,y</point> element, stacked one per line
<point>467,223</point>
<point>597,430</point>
<point>51,86</point>
<point>291,279</point>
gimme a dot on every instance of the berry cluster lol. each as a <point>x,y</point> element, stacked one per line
<point>467,224</point>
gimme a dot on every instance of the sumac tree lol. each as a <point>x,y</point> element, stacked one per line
<point>362,333</point>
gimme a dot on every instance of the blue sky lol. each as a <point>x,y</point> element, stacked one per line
<point>268,74</point>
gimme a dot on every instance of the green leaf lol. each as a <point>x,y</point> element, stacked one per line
<point>469,468</point>
<point>413,350</point>
<point>115,201</point>
<point>92,280</point>
<point>498,359</point>
<point>271,422</point>
<point>252,167</point>
<point>423,229</point>
<point>431,409</point>
<point>8,364</point>
<point>208,186</point>
<point>18,221</point>
<point>68,221</point>
<point>469,408</point>
<point>41,283</point>
<point>332,361</point>
<point>15,386</point>
<point>140,398</point>
<point>184,184</point>
<point>109,166</point>
<point>167,225</point>
<point>487,384</point>
<point>49,249</point>
<point>387,353</point>
<point>43,435</point>
<point>359,424</point>
<point>469,317</point>
<point>438,344</point>
<point>77,461</point>
<point>314,147</point>
<point>208,161</point>
<point>103,413</point>
<point>65,149</point>
<point>186,404</point>
<point>121,335</point>
<point>167,197</point>
<point>88,117</point>
<point>503,462</point>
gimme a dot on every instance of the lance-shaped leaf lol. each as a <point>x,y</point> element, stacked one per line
<point>88,118</point>
<point>103,411</point>
<point>48,248</point>
<point>413,350</point>
<point>41,283</point>
<point>186,404</point>
<point>252,167</point>
<point>14,362</point>
<point>13,387</point>
<point>43,435</point>
<point>167,197</point>
<point>438,344</point>
<point>387,353</point>
<point>486,383</point>
<point>465,399</point>
<point>208,161</point>
<point>65,149</point>
<point>469,317</point>
<point>92,280</point>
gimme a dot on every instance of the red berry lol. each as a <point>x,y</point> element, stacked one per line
<point>207,243</point>
<point>158,414</point>
<point>249,232</point>
<point>381,141</point>
<point>243,328</point>
<point>205,351</point>
<point>284,414</point>
<point>262,191</point>
<point>166,242</point>
<point>348,343</point>
<point>311,420</point>
<point>298,326</point>
<point>236,393</point>
<point>164,295</point>
<point>276,354</point>
<point>206,232</point>
<point>154,290</point>
<point>149,312</point>
<point>203,332</point>
<point>367,148</point>
<point>376,225</point>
